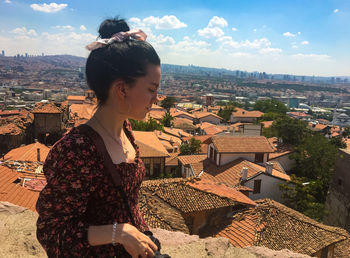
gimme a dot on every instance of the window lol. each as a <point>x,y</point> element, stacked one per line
<point>211,153</point>
<point>257,186</point>
<point>147,168</point>
<point>259,157</point>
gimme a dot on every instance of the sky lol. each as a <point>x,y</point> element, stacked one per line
<point>300,37</point>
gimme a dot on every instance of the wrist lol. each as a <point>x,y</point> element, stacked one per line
<point>116,230</point>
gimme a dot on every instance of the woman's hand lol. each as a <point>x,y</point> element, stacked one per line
<point>135,243</point>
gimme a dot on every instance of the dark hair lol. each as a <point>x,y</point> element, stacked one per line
<point>125,60</point>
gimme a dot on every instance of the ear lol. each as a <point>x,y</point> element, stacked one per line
<point>119,88</point>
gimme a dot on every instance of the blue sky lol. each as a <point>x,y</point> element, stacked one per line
<point>304,37</point>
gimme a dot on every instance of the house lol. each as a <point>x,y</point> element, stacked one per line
<point>264,181</point>
<point>185,125</point>
<point>205,139</point>
<point>321,128</point>
<point>187,205</point>
<point>82,111</point>
<point>181,114</point>
<point>48,121</point>
<point>299,115</point>
<point>282,154</point>
<point>170,142</point>
<point>152,153</point>
<point>176,132</point>
<point>244,116</point>
<point>338,198</point>
<point>31,152</point>
<point>225,149</point>
<point>275,226</point>
<point>185,162</point>
<point>207,117</point>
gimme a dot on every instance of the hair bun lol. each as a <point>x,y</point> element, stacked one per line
<point>109,27</point>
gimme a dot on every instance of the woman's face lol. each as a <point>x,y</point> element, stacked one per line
<point>143,93</point>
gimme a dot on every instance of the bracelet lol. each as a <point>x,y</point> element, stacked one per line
<point>114,231</point>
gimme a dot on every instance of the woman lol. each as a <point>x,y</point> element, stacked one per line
<point>81,212</point>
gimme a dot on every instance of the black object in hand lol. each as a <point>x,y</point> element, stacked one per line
<point>157,253</point>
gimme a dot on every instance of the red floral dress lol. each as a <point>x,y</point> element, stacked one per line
<point>80,192</point>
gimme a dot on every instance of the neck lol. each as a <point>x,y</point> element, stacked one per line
<point>111,120</point>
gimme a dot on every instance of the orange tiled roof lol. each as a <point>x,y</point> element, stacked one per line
<point>175,112</point>
<point>280,149</point>
<point>222,190</point>
<point>190,159</point>
<point>212,130</point>
<point>184,123</point>
<point>205,125</point>
<point>267,124</point>
<point>83,111</point>
<point>200,115</point>
<point>46,108</point>
<point>317,127</point>
<point>79,98</point>
<point>277,227</point>
<point>240,112</point>
<point>172,160</point>
<point>167,137</point>
<point>156,107</point>
<point>9,112</point>
<point>176,132</point>
<point>184,197</point>
<point>10,129</point>
<point>28,152</point>
<point>231,173</point>
<point>149,145</point>
<point>14,193</point>
<point>242,144</point>
<point>156,114</point>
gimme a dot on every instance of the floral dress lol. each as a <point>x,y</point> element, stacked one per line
<point>80,192</point>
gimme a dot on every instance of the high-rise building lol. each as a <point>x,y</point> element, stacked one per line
<point>3,52</point>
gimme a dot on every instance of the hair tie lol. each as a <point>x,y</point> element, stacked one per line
<point>119,37</point>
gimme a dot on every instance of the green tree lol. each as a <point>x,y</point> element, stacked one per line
<point>292,131</point>
<point>150,125</point>
<point>299,194</point>
<point>314,160</point>
<point>271,116</point>
<point>346,132</point>
<point>226,112</point>
<point>338,142</point>
<point>167,120</point>
<point>168,103</point>
<point>193,147</point>
<point>270,105</point>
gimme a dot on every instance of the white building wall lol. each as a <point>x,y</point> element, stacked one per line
<point>285,162</point>
<point>228,157</point>
<point>269,188</point>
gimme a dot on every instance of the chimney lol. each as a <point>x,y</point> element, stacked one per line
<point>244,173</point>
<point>38,154</point>
<point>269,166</point>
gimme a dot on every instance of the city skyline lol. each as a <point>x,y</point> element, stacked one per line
<point>293,37</point>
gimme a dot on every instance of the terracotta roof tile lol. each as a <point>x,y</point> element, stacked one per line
<point>190,159</point>
<point>240,112</point>
<point>222,190</point>
<point>212,130</point>
<point>10,129</point>
<point>242,144</point>
<point>46,108</point>
<point>230,173</point>
<point>82,111</point>
<point>172,160</point>
<point>277,227</point>
<point>80,98</point>
<point>176,132</point>
<point>14,193</point>
<point>149,145</point>
<point>28,152</point>
<point>200,115</point>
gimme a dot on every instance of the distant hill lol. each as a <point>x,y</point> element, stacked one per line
<point>37,63</point>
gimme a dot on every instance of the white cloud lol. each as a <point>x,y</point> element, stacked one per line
<point>311,56</point>
<point>48,8</point>
<point>255,30</point>
<point>24,32</point>
<point>66,27</point>
<point>234,29</point>
<point>288,34</point>
<point>188,45</point>
<point>213,29</point>
<point>228,42</point>
<point>165,23</point>
<point>211,32</point>
<point>270,51</point>
<point>217,22</point>
<point>336,10</point>
<point>7,2</point>
<point>299,33</point>
<point>161,40</point>
<point>305,42</point>
<point>295,47</point>
<point>83,28</point>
